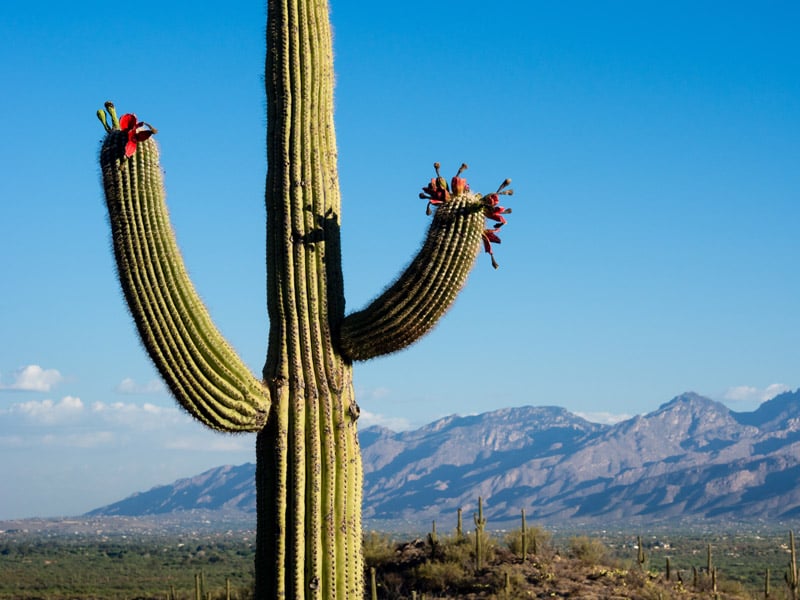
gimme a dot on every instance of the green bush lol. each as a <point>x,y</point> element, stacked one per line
<point>458,551</point>
<point>513,540</point>
<point>440,577</point>
<point>379,548</point>
<point>589,551</point>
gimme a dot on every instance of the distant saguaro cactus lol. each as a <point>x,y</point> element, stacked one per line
<point>373,586</point>
<point>766,583</point>
<point>433,540</point>
<point>641,556</point>
<point>524,537</point>
<point>308,474</point>
<point>791,574</point>
<point>480,526</point>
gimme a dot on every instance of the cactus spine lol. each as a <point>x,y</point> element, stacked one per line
<point>791,575</point>
<point>480,525</point>
<point>308,473</point>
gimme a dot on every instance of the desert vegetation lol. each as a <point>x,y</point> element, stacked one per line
<point>531,562</point>
<point>523,562</point>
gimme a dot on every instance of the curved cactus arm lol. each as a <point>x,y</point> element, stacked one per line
<point>414,303</point>
<point>200,368</point>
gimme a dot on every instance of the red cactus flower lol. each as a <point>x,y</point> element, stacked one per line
<point>436,191</point>
<point>492,209</point>
<point>137,132</point>
<point>490,237</point>
<point>458,184</point>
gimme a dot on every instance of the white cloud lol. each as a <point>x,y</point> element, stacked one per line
<point>84,439</point>
<point>71,423</point>
<point>138,417</point>
<point>604,418</point>
<point>33,378</point>
<point>129,386</point>
<point>376,393</point>
<point>751,394</point>
<point>218,443</point>
<point>47,412</point>
<point>367,419</point>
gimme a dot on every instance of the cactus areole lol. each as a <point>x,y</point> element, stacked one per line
<point>308,474</point>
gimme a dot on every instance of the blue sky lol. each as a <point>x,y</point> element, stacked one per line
<point>653,247</point>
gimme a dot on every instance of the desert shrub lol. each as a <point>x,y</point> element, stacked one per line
<point>589,551</point>
<point>379,548</point>
<point>489,546</point>
<point>440,577</point>
<point>511,587</point>
<point>457,550</point>
<point>391,586</point>
<point>513,540</point>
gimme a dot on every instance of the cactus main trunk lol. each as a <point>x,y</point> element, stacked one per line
<point>309,468</point>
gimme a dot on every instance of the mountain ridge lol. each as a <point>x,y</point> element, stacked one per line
<point>690,458</point>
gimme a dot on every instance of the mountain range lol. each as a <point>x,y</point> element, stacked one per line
<point>692,458</point>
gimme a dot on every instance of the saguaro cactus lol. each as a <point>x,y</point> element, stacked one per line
<point>308,474</point>
<point>524,540</point>
<point>641,556</point>
<point>480,542</point>
<point>791,574</point>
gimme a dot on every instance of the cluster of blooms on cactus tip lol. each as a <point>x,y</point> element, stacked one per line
<point>437,192</point>
<point>137,131</point>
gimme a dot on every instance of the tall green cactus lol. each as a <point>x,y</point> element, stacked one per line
<point>524,537</point>
<point>308,474</point>
<point>766,583</point>
<point>641,556</point>
<point>433,540</point>
<point>480,542</point>
<point>791,574</point>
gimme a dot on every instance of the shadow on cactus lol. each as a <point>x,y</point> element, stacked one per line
<point>303,409</point>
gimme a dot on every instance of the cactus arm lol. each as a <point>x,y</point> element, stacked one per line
<point>199,367</point>
<point>413,304</point>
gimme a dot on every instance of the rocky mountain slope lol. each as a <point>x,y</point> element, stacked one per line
<point>691,458</point>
